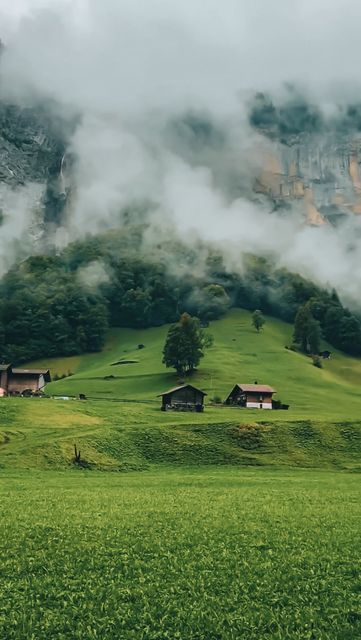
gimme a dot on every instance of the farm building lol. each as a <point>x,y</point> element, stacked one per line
<point>183,398</point>
<point>14,381</point>
<point>251,396</point>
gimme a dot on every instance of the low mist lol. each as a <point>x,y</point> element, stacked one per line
<point>160,95</point>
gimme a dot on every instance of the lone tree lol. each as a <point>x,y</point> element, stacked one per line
<point>307,330</point>
<point>185,344</point>
<point>258,320</point>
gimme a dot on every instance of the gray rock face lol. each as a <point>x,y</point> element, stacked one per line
<point>32,198</point>
<point>317,169</point>
<point>32,145</point>
<point>29,149</point>
<point>320,172</point>
<point>310,158</point>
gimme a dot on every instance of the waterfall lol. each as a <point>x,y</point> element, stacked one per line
<point>62,189</point>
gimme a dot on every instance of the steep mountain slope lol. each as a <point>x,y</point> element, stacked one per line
<point>29,149</point>
<point>32,146</point>
<point>305,162</point>
<point>319,174</point>
<point>309,161</point>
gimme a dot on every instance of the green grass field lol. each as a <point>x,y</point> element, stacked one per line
<point>191,554</point>
<point>227,525</point>
<point>125,429</point>
<point>239,354</point>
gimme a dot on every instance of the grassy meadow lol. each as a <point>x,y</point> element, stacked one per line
<point>121,426</point>
<point>239,354</point>
<point>226,525</point>
<point>193,554</point>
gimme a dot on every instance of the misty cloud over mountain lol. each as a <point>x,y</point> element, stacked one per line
<point>156,110</point>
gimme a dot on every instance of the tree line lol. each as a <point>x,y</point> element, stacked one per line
<point>56,305</point>
<point>317,319</point>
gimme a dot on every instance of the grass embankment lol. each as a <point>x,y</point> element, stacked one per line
<point>120,436</point>
<point>322,427</point>
<point>203,555</point>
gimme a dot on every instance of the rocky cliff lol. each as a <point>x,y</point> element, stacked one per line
<point>32,145</point>
<point>307,164</point>
<point>309,161</point>
<point>321,174</point>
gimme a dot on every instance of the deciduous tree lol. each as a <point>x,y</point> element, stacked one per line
<point>185,344</point>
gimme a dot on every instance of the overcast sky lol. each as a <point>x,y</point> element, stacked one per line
<point>160,53</point>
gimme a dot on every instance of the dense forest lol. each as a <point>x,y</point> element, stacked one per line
<point>55,305</point>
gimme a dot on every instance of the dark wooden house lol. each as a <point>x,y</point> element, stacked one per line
<point>16,381</point>
<point>251,396</point>
<point>183,398</point>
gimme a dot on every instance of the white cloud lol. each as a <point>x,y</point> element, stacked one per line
<point>128,67</point>
<point>152,53</point>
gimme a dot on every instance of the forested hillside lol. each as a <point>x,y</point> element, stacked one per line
<point>63,304</point>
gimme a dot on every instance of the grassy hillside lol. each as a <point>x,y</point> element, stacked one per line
<point>239,354</point>
<point>125,428</point>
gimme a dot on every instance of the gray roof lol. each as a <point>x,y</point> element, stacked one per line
<point>182,386</point>
<point>33,372</point>
<point>256,388</point>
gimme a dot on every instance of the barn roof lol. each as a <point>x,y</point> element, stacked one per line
<point>182,386</point>
<point>256,388</point>
<point>33,372</point>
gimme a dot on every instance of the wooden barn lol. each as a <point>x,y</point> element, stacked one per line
<point>183,398</point>
<point>15,381</point>
<point>251,396</point>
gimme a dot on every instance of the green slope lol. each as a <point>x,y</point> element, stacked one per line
<point>322,427</point>
<point>40,434</point>
<point>239,354</point>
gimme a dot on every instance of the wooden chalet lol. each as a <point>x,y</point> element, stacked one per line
<point>183,398</point>
<point>17,381</point>
<point>251,396</point>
